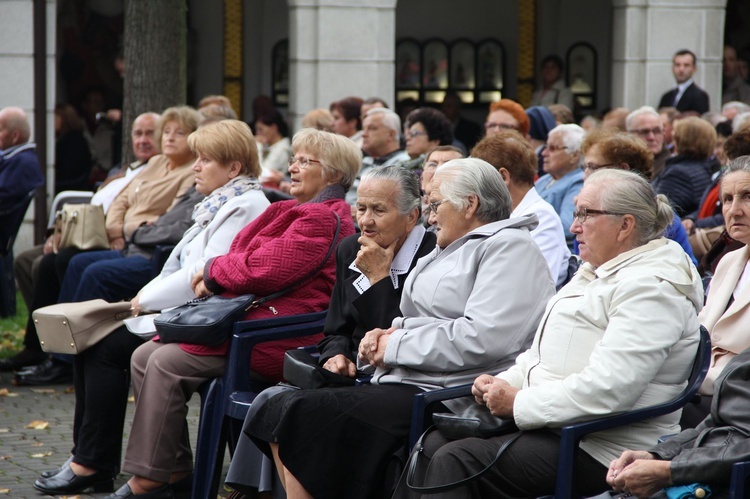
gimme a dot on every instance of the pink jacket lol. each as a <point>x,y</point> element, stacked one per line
<point>281,246</point>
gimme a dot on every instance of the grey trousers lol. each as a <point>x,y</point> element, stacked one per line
<point>164,378</point>
<point>26,268</point>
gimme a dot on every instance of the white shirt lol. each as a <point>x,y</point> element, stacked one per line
<point>681,87</point>
<point>109,192</point>
<point>548,235</point>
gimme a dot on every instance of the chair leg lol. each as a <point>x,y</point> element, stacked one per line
<point>212,437</point>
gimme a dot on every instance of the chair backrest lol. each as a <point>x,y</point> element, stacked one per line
<point>12,218</point>
<point>572,434</point>
<point>67,197</point>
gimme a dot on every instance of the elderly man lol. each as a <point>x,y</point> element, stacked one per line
<point>19,168</point>
<point>646,123</point>
<point>26,264</point>
<point>687,96</point>
<point>516,161</point>
<point>381,142</point>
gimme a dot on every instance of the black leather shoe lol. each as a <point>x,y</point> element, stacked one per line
<point>49,372</point>
<point>67,482</point>
<point>124,492</point>
<point>51,473</point>
<point>22,359</point>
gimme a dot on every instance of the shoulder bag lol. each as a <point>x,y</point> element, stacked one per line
<point>80,226</point>
<point>73,327</point>
<point>210,320</point>
<point>302,370</point>
<point>474,421</point>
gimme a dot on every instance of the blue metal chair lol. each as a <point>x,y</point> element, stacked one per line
<point>740,473</point>
<point>571,435</point>
<point>12,218</point>
<point>225,401</point>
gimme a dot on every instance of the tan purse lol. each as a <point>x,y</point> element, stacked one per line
<point>701,239</point>
<point>80,226</point>
<point>73,327</point>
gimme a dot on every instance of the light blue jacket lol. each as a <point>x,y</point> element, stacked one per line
<point>560,194</point>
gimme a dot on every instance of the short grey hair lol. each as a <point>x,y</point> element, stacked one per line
<point>638,112</point>
<point>390,119</point>
<point>628,192</point>
<point>571,135</point>
<point>409,194</point>
<point>741,107</point>
<point>740,121</point>
<point>474,176</point>
<point>740,164</point>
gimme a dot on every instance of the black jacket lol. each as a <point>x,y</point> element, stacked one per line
<point>707,452</point>
<point>693,99</point>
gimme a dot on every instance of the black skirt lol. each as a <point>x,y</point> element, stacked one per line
<point>338,442</point>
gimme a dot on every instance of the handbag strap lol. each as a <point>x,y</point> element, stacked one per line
<point>411,466</point>
<point>284,291</point>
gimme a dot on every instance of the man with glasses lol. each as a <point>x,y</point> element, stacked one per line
<point>687,96</point>
<point>646,123</point>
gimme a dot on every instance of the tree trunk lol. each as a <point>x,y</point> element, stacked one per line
<point>155,41</point>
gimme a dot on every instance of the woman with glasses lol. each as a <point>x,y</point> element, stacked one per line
<point>563,177</point>
<point>283,245</point>
<point>425,129</point>
<point>621,335</point>
<point>469,306</point>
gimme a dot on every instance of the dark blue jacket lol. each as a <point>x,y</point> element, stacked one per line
<point>19,174</point>
<point>684,181</point>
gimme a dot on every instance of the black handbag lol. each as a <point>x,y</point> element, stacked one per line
<point>210,320</point>
<point>302,370</point>
<point>474,421</point>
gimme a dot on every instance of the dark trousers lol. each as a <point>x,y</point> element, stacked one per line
<point>104,274</point>
<point>527,468</point>
<point>47,289</point>
<point>102,380</point>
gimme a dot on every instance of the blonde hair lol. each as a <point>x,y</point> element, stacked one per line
<point>227,141</point>
<point>320,119</point>
<point>185,116</point>
<point>694,137</point>
<point>338,155</point>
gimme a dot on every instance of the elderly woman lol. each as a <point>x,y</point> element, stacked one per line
<point>621,335</point>
<point>158,187</point>
<point>687,174</point>
<point>371,269</point>
<point>425,129</point>
<point>225,171</point>
<point>433,160</point>
<point>287,242</point>
<point>608,148</point>
<point>564,177</point>
<point>455,322</point>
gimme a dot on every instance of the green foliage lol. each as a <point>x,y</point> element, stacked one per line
<point>12,329</point>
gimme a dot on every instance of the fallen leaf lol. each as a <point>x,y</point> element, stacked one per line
<point>131,399</point>
<point>38,444</point>
<point>4,491</point>
<point>38,425</point>
<point>70,497</point>
<point>4,392</point>
<point>4,430</point>
<point>5,458</point>
<point>42,454</point>
<point>70,389</point>
<point>43,390</point>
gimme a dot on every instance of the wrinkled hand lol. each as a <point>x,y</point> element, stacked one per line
<point>373,260</point>
<point>626,459</point>
<point>642,477</point>
<point>373,345</point>
<point>117,243</point>
<point>340,364</point>
<point>499,398</point>
<point>199,285</point>
<point>135,305</point>
<point>481,385</point>
<point>689,225</point>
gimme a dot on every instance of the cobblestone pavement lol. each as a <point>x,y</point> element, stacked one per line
<point>25,452</point>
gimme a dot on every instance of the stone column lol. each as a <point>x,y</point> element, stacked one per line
<point>17,82</point>
<point>645,36</point>
<point>339,48</point>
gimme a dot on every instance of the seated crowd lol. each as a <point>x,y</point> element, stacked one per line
<point>551,266</point>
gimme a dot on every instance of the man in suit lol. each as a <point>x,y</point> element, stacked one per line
<point>687,96</point>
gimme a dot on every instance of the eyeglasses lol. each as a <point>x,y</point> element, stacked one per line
<point>644,132</point>
<point>302,162</point>
<point>414,133</point>
<point>434,205</point>
<point>582,214</point>
<point>490,125</point>
<point>593,166</point>
<point>554,148</point>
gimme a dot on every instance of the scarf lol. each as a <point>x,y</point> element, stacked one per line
<point>205,211</point>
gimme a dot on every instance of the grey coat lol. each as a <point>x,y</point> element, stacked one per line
<point>470,308</point>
